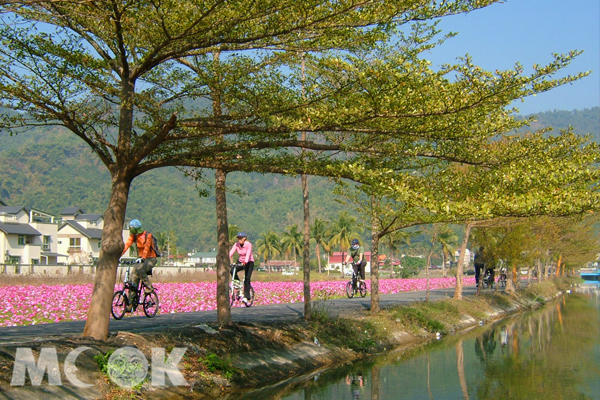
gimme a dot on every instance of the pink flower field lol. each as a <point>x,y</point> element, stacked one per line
<point>28,305</point>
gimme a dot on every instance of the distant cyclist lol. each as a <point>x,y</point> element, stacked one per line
<point>146,256</point>
<point>479,264</point>
<point>357,255</point>
<point>244,248</point>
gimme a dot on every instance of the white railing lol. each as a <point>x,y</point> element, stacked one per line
<point>63,270</point>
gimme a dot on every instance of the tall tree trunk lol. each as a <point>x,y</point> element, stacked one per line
<point>98,316</point>
<point>223,306</point>
<point>375,382</point>
<point>223,275</point>
<point>510,278</point>
<point>445,257</point>
<point>111,248</point>
<point>460,367</point>
<point>305,203</point>
<point>429,378</point>
<point>306,250</point>
<point>318,257</point>
<point>375,308</point>
<point>428,266</point>
<point>461,260</point>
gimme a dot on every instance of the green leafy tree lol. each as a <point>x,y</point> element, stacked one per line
<point>291,242</point>
<point>320,235</point>
<point>104,72</point>
<point>268,246</point>
<point>393,242</point>
<point>448,239</point>
<point>411,266</point>
<point>343,230</point>
<point>167,243</point>
<point>233,231</point>
<point>120,76</point>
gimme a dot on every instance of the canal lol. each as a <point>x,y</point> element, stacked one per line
<point>550,353</point>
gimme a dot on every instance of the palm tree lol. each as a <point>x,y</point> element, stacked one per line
<point>233,231</point>
<point>343,231</point>
<point>268,246</point>
<point>448,239</point>
<point>393,242</point>
<point>292,241</point>
<point>320,235</point>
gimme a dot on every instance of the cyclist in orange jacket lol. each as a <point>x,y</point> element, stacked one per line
<point>146,255</point>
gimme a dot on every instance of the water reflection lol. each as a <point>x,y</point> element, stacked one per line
<point>552,353</point>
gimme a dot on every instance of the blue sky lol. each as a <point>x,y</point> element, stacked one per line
<point>529,31</point>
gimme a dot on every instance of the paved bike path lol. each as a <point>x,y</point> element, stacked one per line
<point>266,313</point>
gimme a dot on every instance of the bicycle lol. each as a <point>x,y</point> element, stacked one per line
<point>488,278</point>
<point>130,290</point>
<point>355,286</point>
<point>236,288</point>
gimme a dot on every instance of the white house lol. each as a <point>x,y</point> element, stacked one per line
<point>336,258</point>
<point>31,237</point>
<point>79,236</point>
<point>208,258</point>
<point>48,227</point>
<point>28,236</point>
<point>468,257</point>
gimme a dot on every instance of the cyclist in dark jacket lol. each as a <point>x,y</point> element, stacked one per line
<point>357,255</point>
<point>479,264</point>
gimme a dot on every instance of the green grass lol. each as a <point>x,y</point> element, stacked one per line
<point>214,363</point>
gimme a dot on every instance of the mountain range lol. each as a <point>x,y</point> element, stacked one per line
<point>50,169</point>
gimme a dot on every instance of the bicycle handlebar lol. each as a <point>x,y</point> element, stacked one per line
<point>352,263</point>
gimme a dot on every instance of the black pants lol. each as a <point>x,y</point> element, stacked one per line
<point>248,268</point>
<point>478,269</point>
<point>359,269</point>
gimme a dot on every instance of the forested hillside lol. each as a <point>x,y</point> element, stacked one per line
<point>583,121</point>
<point>50,170</point>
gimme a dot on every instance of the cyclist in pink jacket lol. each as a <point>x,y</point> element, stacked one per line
<point>244,250</point>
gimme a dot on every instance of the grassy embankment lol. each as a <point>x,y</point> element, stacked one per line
<point>242,355</point>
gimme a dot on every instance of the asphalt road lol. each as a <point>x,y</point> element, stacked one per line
<point>275,312</point>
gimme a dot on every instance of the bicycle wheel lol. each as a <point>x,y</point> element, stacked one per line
<point>251,300</point>
<point>349,290</point>
<point>119,302</point>
<point>150,304</point>
<point>362,289</point>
